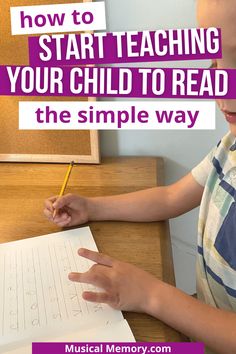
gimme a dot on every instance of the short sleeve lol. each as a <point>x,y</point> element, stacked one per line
<point>201,172</point>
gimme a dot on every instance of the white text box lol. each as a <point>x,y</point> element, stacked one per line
<point>117,115</point>
<point>58,18</point>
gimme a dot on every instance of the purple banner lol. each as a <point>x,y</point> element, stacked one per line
<point>117,82</point>
<point>106,348</point>
<point>125,47</point>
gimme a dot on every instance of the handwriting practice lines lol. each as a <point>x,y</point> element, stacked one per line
<point>36,294</point>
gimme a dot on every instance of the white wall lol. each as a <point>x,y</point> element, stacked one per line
<point>181,150</point>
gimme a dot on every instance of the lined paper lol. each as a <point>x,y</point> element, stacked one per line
<point>36,296</point>
<point>114,332</point>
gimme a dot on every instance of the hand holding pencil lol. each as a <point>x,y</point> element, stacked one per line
<point>66,210</point>
<point>63,188</point>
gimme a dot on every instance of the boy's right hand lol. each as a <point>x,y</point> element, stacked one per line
<point>71,210</point>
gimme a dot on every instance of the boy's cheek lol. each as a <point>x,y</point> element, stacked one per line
<point>227,105</point>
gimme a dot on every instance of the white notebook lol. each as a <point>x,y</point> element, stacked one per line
<point>39,303</point>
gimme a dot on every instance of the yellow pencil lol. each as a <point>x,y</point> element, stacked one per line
<point>66,179</point>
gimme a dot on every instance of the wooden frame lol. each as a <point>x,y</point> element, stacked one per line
<point>86,141</point>
<point>43,158</point>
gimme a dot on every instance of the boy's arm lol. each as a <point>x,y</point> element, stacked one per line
<point>159,203</point>
<point>154,204</point>
<point>129,288</point>
<point>201,322</point>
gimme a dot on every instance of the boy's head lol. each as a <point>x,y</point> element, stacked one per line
<point>222,14</point>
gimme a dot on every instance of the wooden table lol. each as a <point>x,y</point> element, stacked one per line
<point>24,187</point>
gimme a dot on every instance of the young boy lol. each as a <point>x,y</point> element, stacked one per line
<point>210,319</point>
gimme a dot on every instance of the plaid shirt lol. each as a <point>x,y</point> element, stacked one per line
<point>216,259</point>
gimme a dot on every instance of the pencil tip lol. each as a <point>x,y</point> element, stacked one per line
<point>72,163</point>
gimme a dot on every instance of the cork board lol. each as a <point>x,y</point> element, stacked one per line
<point>36,146</point>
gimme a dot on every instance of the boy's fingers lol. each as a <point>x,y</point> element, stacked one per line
<point>63,201</point>
<point>49,202</point>
<point>95,276</point>
<point>96,297</point>
<point>81,277</point>
<point>61,217</point>
<point>48,214</point>
<point>48,205</point>
<point>96,257</point>
<point>53,198</point>
<point>61,220</point>
<point>63,223</point>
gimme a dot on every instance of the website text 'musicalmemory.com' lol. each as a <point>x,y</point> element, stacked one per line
<point>111,348</point>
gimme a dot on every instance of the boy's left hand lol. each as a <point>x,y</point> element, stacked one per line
<point>124,286</point>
